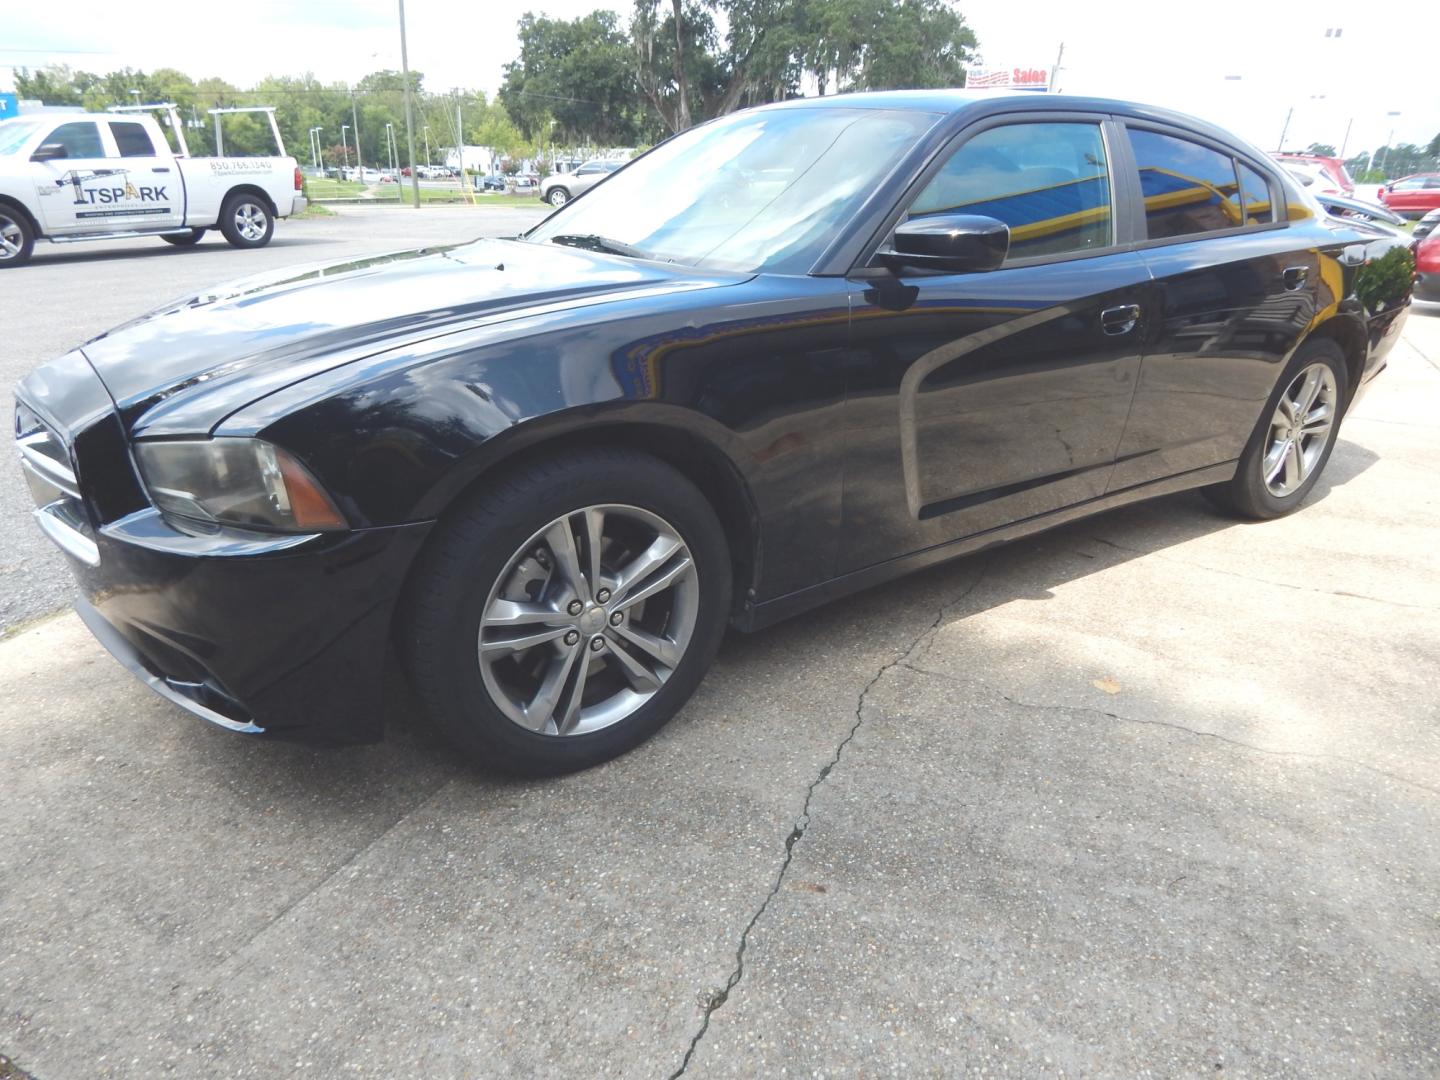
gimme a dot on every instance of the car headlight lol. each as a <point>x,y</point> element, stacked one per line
<point>235,481</point>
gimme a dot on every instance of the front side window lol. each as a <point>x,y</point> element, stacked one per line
<point>765,189</point>
<point>132,140</point>
<point>1048,181</point>
<point>1258,209</point>
<point>80,140</point>
<point>1188,188</point>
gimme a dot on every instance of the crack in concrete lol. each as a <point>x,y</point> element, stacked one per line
<point>714,1000</point>
<point>1173,726</point>
<point>1259,580</point>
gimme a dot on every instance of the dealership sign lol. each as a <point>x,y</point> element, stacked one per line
<point>9,106</point>
<point>1019,78</point>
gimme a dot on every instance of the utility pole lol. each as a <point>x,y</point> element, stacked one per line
<point>345,146</point>
<point>1281,148</point>
<point>1055,71</point>
<point>409,112</point>
<point>1346,140</point>
<point>355,119</point>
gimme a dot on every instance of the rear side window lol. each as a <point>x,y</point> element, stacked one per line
<point>1049,182</point>
<point>80,140</point>
<point>1188,188</point>
<point>132,140</point>
<point>1256,189</point>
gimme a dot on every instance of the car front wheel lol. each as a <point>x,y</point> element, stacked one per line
<point>558,197</point>
<point>1294,438</point>
<point>561,616</point>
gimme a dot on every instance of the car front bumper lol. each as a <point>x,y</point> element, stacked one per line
<point>265,634</point>
<point>260,638</point>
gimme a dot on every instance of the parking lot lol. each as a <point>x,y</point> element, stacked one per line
<point>1156,794</point>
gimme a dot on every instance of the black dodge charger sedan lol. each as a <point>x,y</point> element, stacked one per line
<point>785,355</point>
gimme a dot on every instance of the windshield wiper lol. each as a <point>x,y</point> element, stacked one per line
<point>602,244</point>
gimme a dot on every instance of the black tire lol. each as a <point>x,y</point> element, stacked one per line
<point>17,238</point>
<point>562,192</point>
<point>1248,495</point>
<point>189,239</point>
<point>446,595</point>
<point>255,210</point>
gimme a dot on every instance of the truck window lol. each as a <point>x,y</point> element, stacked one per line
<point>80,140</point>
<point>132,139</point>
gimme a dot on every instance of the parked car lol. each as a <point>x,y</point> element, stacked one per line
<point>559,188</point>
<point>103,176</point>
<point>1426,225</point>
<point>1413,196</point>
<point>1427,268</point>
<point>553,468</point>
<point>493,182</point>
<point>1335,177</point>
<point>1340,206</point>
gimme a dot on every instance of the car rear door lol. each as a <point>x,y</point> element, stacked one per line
<point>156,193</point>
<point>1234,291</point>
<point>980,399</point>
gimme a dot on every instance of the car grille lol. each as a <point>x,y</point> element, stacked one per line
<point>50,472</point>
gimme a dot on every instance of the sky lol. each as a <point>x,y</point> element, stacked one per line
<point>1243,67</point>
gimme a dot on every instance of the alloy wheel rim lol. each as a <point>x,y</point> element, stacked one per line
<point>558,198</point>
<point>250,220</point>
<point>588,620</point>
<point>1299,430</point>
<point>11,238</point>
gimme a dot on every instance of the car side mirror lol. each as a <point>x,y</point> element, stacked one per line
<point>49,152</point>
<point>951,243</point>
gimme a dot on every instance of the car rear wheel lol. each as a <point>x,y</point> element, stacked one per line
<point>184,239</point>
<point>246,221</point>
<point>1293,439</point>
<point>562,616</point>
<point>17,239</point>
<point>558,196</point>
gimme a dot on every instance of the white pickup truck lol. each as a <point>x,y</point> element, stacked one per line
<point>67,177</point>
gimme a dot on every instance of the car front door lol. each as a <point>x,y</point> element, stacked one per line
<point>69,167</point>
<point>1232,297</point>
<point>981,399</point>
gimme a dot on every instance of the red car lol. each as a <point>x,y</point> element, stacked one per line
<point>1427,268</point>
<point>1332,167</point>
<point>1413,196</point>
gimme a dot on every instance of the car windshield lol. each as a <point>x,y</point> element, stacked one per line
<point>14,133</point>
<point>761,190</point>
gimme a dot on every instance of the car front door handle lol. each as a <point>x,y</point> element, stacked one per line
<point>1119,320</point>
<point>1295,277</point>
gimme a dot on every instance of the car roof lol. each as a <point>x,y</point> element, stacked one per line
<point>954,103</point>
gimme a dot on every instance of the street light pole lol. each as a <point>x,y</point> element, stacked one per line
<point>345,146</point>
<point>409,112</point>
<point>427,146</point>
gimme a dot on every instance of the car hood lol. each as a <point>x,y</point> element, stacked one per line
<point>239,341</point>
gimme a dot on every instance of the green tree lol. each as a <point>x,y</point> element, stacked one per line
<point>573,81</point>
<point>1321,149</point>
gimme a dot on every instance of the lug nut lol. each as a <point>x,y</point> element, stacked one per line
<point>602,596</point>
<point>616,618</point>
<point>596,644</point>
<point>572,637</point>
<point>575,607</point>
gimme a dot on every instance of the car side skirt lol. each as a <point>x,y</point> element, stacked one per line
<point>769,612</point>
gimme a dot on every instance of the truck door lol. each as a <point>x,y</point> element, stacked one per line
<point>84,185</point>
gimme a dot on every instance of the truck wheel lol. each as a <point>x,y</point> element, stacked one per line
<point>246,221</point>
<point>185,239</point>
<point>17,239</point>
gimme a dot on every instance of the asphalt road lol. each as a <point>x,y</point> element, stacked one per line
<point>70,293</point>
<point>1151,795</point>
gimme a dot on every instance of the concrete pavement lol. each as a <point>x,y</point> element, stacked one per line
<point>1155,794</point>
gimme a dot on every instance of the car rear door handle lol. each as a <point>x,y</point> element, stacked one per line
<point>1120,320</point>
<point>1295,276</point>
<point>161,168</point>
